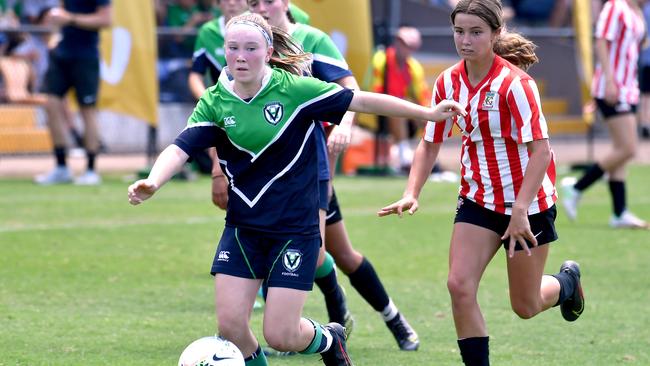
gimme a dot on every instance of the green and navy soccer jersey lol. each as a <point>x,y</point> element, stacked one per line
<point>209,54</point>
<point>266,147</point>
<point>328,62</point>
<point>328,65</point>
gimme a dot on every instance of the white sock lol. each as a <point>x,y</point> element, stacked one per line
<point>390,311</point>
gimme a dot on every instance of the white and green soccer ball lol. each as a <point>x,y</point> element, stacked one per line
<point>211,351</point>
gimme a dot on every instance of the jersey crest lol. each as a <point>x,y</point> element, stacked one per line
<point>273,112</point>
<point>490,101</point>
<point>292,259</point>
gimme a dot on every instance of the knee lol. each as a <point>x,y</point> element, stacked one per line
<point>460,288</point>
<point>279,340</point>
<point>348,261</point>
<point>525,309</point>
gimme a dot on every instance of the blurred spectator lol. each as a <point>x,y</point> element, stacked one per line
<point>74,63</point>
<point>394,71</point>
<point>550,13</point>
<point>187,14</point>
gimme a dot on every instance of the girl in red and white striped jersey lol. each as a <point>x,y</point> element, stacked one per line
<point>507,193</point>
<point>619,34</point>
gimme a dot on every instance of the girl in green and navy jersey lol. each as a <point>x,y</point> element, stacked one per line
<point>329,65</point>
<point>262,119</point>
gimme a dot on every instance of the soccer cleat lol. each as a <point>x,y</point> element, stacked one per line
<point>58,175</point>
<point>406,338</point>
<point>89,178</point>
<point>348,323</point>
<point>571,197</point>
<point>627,220</point>
<point>573,307</point>
<point>337,354</point>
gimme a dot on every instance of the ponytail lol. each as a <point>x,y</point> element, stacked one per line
<point>288,55</point>
<point>516,49</point>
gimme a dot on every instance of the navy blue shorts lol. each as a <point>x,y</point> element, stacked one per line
<point>82,74</point>
<point>609,110</point>
<point>333,211</point>
<point>282,261</point>
<point>542,224</point>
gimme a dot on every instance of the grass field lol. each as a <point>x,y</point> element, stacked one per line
<point>86,279</point>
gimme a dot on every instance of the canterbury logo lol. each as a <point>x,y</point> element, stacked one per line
<point>224,256</point>
<point>273,112</point>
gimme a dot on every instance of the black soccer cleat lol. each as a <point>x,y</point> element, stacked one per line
<point>406,338</point>
<point>337,354</point>
<point>573,306</point>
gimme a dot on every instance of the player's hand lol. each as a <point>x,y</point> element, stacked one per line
<point>220,191</point>
<point>611,92</point>
<point>339,139</point>
<point>141,190</point>
<point>409,203</point>
<point>446,109</point>
<point>57,17</point>
<point>518,231</point>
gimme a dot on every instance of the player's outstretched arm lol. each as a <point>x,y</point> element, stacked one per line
<point>388,105</point>
<point>168,163</point>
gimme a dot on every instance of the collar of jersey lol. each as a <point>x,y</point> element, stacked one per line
<point>226,80</point>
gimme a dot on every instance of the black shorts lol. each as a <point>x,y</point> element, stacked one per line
<point>619,109</point>
<point>280,260</point>
<point>542,224</point>
<point>644,79</point>
<point>82,74</point>
<point>333,211</point>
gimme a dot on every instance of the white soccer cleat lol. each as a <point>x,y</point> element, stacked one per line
<point>58,175</point>
<point>570,197</point>
<point>89,178</point>
<point>627,220</point>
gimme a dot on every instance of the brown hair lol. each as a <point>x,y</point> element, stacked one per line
<point>287,54</point>
<point>511,46</point>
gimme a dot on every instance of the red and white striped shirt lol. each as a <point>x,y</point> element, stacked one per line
<point>624,29</point>
<point>503,114</point>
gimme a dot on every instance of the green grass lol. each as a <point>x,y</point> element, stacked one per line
<point>87,279</point>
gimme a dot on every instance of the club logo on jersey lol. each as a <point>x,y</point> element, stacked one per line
<point>273,112</point>
<point>490,100</point>
<point>292,259</point>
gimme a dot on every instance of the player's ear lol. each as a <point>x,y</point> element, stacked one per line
<point>269,53</point>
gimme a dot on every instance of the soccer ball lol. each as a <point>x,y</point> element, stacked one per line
<point>211,351</point>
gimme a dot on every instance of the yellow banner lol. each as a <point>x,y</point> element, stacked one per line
<point>128,66</point>
<point>582,25</point>
<point>348,23</point>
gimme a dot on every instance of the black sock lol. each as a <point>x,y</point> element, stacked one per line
<point>475,351</point>
<point>617,188</point>
<point>91,160</point>
<point>567,286</point>
<point>334,298</point>
<point>368,285</point>
<point>59,155</point>
<point>591,175</point>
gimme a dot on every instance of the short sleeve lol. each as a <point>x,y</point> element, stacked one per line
<point>324,101</point>
<point>609,22</point>
<point>438,131</point>
<point>526,110</point>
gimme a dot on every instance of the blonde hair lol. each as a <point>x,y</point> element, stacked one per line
<point>287,54</point>
<point>513,47</point>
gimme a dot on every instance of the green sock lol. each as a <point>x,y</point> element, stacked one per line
<point>321,342</point>
<point>325,268</point>
<point>258,358</point>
